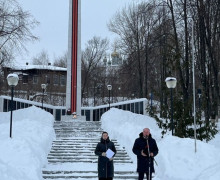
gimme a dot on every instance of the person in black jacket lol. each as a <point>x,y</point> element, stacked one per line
<point>145,147</point>
<point>105,165</point>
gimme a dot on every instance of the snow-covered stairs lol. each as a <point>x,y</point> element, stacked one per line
<point>75,150</point>
<point>72,153</point>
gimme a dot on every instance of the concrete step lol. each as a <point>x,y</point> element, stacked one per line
<point>82,172</point>
<point>93,141</point>
<point>128,175</point>
<point>78,130</point>
<point>84,124</point>
<point>85,157</point>
<point>70,118</point>
<point>83,146</point>
<point>82,139</point>
<point>93,144</point>
<point>60,135</point>
<point>54,153</point>
<point>56,161</point>
<point>90,178</point>
<point>83,133</point>
<point>77,124</point>
<point>82,151</point>
<point>70,126</point>
<point>60,149</point>
<point>79,134</point>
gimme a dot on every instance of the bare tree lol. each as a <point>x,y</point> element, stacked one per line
<point>41,59</point>
<point>91,59</point>
<point>61,61</point>
<point>134,25</point>
<point>156,37</point>
<point>15,29</point>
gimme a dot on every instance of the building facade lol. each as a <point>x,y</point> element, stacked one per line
<point>30,79</point>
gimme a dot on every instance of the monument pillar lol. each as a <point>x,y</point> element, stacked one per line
<point>73,87</point>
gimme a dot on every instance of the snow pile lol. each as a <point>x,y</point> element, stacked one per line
<point>177,159</point>
<point>23,156</point>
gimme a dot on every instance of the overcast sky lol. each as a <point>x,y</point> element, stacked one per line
<point>53,16</point>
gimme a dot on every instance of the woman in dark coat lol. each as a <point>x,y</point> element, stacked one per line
<point>105,165</point>
<point>145,147</point>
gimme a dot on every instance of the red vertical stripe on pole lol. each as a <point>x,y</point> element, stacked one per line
<point>74,55</point>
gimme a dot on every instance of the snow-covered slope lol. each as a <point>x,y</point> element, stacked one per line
<point>23,156</point>
<point>177,159</point>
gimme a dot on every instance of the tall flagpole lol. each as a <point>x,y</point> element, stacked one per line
<point>194,96</point>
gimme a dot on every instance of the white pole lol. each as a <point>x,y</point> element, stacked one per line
<point>194,96</point>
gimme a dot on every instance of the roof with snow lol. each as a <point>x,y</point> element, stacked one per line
<point>42,67</point>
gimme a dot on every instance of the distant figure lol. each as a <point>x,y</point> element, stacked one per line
<point>105,165</point>
<point>145,147</point>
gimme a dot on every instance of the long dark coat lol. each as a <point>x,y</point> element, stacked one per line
<point>142,161</point>
<point>105,166</point>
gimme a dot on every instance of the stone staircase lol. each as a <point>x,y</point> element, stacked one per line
<point>72,153</point>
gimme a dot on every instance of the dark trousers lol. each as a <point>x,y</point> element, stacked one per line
<point>141,176</point>
<point>109,178</point>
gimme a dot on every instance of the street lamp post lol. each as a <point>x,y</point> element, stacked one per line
<point>171,84</point>
<point>43,86</point>
<point>12,82</point>
<point>109,87</point>
<point>194,93</point>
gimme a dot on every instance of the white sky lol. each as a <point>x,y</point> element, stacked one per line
<point>53,29</point>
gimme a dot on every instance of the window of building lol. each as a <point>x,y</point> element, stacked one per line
<point>20,77</point>
<point>35,80</point>
<point>25,79</point>
<point>55,79</point>
<point>62,80</point>
<point>47,79</point>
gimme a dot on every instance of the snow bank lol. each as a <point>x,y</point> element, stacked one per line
<point>23,156</point>
<point>177,159</point>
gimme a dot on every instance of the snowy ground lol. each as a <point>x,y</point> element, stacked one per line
<point>23,156</point>
<point>177,159</point>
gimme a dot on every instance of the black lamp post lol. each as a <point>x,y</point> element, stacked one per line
<point>109,87</point>
<point>171,84</point>
<point>43,86</point>
<point>12,82</point>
